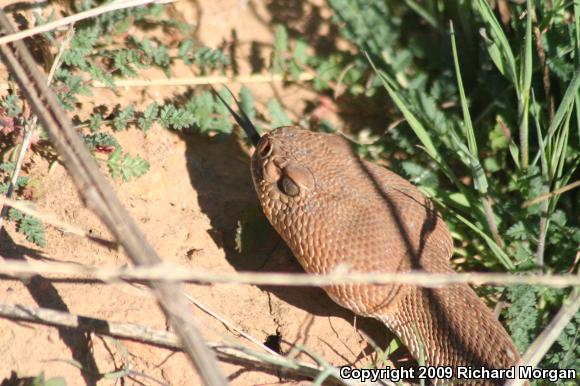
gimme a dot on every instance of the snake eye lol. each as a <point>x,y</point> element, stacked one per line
<point>288,187</point>
<point>265,148</point>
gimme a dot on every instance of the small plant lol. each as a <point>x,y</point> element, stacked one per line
<point>29,226</point>
<point>125,166</point>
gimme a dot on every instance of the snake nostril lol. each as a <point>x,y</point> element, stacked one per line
<point>265,148</point>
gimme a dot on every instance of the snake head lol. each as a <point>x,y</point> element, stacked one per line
<point>290,168</point>
<point>282,178</point>
<point>302,181</point>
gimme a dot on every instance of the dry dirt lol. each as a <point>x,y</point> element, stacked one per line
<point>188,205</point>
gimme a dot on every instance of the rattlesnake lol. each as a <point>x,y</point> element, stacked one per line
<point>334,209</point>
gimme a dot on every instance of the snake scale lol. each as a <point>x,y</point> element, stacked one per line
<point>334,209</point>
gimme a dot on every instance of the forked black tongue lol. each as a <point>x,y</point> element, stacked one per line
<point>241,118</point>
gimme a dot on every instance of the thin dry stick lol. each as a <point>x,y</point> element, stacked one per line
<point>546,196</point>
<point>162,273</point>
<point>99,196</point>
<point>117,5</point>
<point>170,273</point>
<point>192,81</point>
<point>543,230</point>
<point>544,341</point>
<point>98,326</point>
<point>231,326</point>
<point>31,127</point>
<point>44,217</point>
<point>490,218</point>
<point>155,337</point>
<point>199,80</point>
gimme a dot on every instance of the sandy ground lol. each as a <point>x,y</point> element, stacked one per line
<point>188,205</point>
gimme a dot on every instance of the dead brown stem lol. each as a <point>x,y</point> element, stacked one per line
<point>147,335</point>
<point>172,273</point>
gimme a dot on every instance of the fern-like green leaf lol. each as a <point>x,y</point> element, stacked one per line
<point>29,226</point>
<point>522,315</point>
<point>125,166</point>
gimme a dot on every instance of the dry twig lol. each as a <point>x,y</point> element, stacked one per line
<point>32,126</point>
<point>201,80</point>
<point>546,196</point>
<point>171,273</point>
<point>196,80</point>
<point>147,335</point>
<point>114,6</point>
<point>46,218</point>
<point>231,326</point>
<point>490,219</point>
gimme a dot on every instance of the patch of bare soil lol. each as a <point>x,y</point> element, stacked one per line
<point>188,205</point>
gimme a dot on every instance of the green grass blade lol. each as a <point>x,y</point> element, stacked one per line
<point>560,150</point>
<point>422,135</point>
<point>476,168</point>
<point>499,47</point>
<point>515,153</point>
<point>477,171</point>
<point>577,99</point>
<point>430,149</point>
<point>424,13</point>
<point>417,127</point>
<point>542,152</point>
<point>577,22</point>
<point>568,99</point>
<point>563,181</point>
<point>501,256</point>
<point>563,110</point>
<point>526,82</point>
